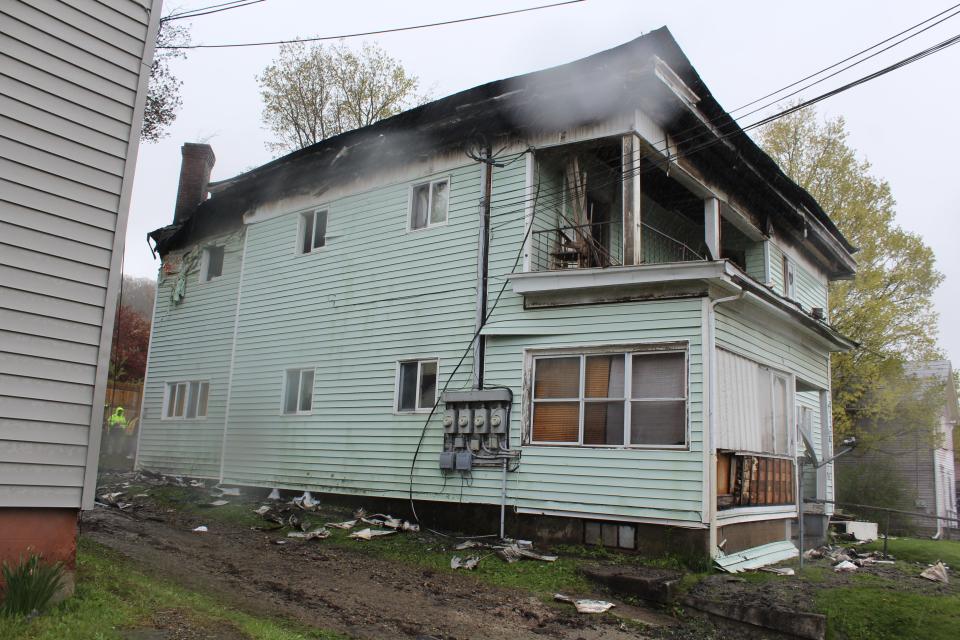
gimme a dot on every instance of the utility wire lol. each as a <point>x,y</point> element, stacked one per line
<point>372,33</point>
<point>203,11</point>
<point>847,59</point>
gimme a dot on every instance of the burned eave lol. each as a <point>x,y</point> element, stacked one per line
<point>575,94</point>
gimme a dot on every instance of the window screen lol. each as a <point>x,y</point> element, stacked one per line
<point>659,405</point>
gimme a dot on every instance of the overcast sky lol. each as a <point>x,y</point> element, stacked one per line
<point>904,122</point>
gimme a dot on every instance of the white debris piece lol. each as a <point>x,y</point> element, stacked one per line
<point>201,529</point>
<point>261,510</point>
<point>585,606</point>
<point>513,553</point>
<point>347,524</point>
<point>306,502</point>
<point>219,503</point>
<point>229,491</point>
<point>456,562</point>
<point>274,495</point>
<point>936,573</point>
<point>368,534</point>
<point>780,571</point>
<point>316,534</point>
<point>845,567</point>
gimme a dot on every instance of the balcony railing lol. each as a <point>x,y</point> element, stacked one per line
<point>601,245</point>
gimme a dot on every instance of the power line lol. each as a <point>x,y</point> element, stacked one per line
<point>851,57</point>
<point>372,33</point>
<point>214,8</point>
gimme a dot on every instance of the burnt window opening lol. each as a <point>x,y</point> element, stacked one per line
<point>736,246</point>
<point>745,480</point>
<point>579,217</point>
<point>671,218</point>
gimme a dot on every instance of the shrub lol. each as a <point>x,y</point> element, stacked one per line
<point>30,586</point>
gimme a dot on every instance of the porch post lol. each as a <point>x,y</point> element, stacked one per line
<point>632,237</point>
<point>711,226</point>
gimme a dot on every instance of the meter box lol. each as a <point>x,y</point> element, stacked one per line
<point>476,425</point>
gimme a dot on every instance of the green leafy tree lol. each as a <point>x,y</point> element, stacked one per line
<point>888,307</point>
<point>313,93</point>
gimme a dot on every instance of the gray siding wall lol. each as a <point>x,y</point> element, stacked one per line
<point>72,88</point>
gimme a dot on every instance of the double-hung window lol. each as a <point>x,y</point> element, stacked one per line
<point>428,203</point>
<point>630,398</point>
<point>298,391</point>
<point>416,385</point>
<point>313,231</point>
<point>186,400</point>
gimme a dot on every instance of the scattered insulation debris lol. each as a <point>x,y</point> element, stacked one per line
<point>844,566</point>
<point>261,511</point>
<point>348,524</point>
<point>936,573</point>
<point>306,502</point>
<point>201,529</point>
<point>464,563</point>
<point>585,606</point>
<point>319,533</point>
<point>274,495</point>
<point>369,534</point>
<point>218,503</point>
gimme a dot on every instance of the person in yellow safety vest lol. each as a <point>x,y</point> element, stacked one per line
<point>117,420</point>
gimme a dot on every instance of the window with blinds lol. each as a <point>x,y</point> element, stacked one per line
<point>636,398</point>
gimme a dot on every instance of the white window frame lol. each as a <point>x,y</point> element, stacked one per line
<point>204,277</point>
<point>301,221</point>
<point>429,225</point>
<point>532,355</point>
<point>283,392</point>
<point>396,385</point>
<point>789,278</point>
<point>170,387</point>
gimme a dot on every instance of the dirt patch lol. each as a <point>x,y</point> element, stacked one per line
<point>327,587</point>
<point>175,625</point>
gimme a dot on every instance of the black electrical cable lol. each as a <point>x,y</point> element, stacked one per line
<point>204,11</point>
<point>372,33</point>
<point>466,351</point>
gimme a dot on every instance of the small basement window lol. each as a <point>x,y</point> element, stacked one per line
<point>428,204</point>
<point>186,400</point>
<point>610,399</point>
<point>416,385</point>
<point>298,391</point>
<point>610,534</point>
<point>313,230</point>
<point>211,263</point>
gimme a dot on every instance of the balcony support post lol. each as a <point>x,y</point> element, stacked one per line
<point>711,226</point>
<point>632,236</point>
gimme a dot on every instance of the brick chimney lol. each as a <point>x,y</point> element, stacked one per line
<point>195,167</point>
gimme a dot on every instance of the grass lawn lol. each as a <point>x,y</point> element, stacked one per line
<point>875,608</point>
<point>113,600</point>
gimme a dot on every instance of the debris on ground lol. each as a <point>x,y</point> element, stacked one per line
<point>306,502</point>
<point>780,571</point>
<point>464,563</point>
<point>369,534</point>
<point>383,520</point>
<point>114,500</point>
<point>844,566</point>
<point>319,533</point>
<point>201,529</point>
<point>274,495</point>
<point>585,606</point>
<point>262,511</point>
<point>936,572</point>
<point>229,491</point>
<point>348,524</point>
<point>514,552</point>
<point>218,503</point>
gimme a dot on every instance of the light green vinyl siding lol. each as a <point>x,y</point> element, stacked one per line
<point>776,269</point>
<point>810,291</point>
<point>191,340</point>
<point>756,262</point>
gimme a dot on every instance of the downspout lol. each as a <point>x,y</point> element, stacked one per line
<point>483,265</point>
<point>711,349</point>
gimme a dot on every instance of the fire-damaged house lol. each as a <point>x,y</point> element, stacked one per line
<point>582,293</point>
